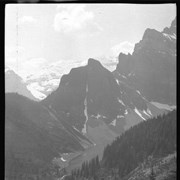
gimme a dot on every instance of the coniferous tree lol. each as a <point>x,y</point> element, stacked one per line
<point>152,174</point>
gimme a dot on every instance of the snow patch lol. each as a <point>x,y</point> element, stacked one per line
<point>98,116</point>
<point>126,111</point>
<point>163,106</point>
<point>137,112</point>
<point>53,82</point>
<point>36,93</point>
<point>149,112</point>
<point>122,75</point>
<point>117,81</point>
<point>113,122</point>
<point>170,37</point>
<point>138,92</point>
<point>84,130</point>
<point>144,98</point>
<point>36,86</point>
<point>146,113</point>
<point>62,159</point>
<point>75,128</point>
<point>120,101</point>
<point>120,116</point>
<point>49,90</point>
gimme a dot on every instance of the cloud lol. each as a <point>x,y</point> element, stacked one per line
<point>31,66</point>
<point>24,67</point>
<point>34,63</point>
<point>27,19</point>
<point>13,56</point>
<point>64,66</point>
<point>124,47</point>
<point>74,17</point>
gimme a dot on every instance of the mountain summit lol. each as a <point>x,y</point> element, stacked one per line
<point>152,67</point>
<point>172,29</point>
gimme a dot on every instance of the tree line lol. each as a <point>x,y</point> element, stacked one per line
<point>155,137</point>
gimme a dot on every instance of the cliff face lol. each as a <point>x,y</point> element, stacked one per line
<point>91,98</point>
<point>152,67</point>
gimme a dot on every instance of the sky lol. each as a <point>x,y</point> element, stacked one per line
<point>38,35</point>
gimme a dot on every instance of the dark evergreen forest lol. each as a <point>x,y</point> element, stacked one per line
<point>155,138</point>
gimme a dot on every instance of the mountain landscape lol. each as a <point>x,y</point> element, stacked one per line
<point>77,124</point>
<point>152,67</point>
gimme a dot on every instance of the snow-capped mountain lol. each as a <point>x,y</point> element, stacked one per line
<point>47,79</point>
<point>14,83</point>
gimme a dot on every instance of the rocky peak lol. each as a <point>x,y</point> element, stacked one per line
<point>124,60</point>
<point>172,29</point>
<point>93,63</point>
<point>153,65</point>
<point>122,55</point>
<point>152,34</point>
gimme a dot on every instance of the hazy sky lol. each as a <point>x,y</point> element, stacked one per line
<point>37,34</point>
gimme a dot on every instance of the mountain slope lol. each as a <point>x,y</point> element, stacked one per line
<point>91,92</point>
<point>155,137</point>
<point>151,68</point>
<point>35,134</point>
<point>150,144</point>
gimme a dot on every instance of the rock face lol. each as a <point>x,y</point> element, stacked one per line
<point>34,134</point>
<point>90,94</point>
<point>152,67</point>
<point>95,100</point>
<point>14,83</point>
